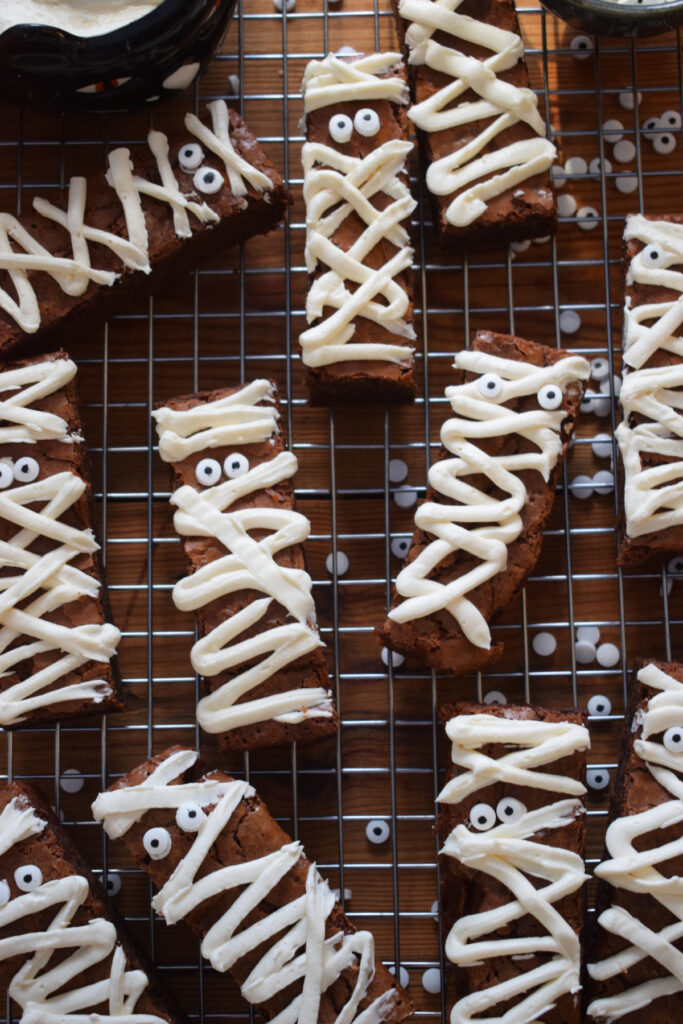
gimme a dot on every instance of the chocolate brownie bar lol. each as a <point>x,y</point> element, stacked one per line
<point>156,211</point>
<point>359,306</point>
<point>650,435</point>
<point>480,130</point>
<point>637,937</point>
<point>65,953</point>
<point>222,864</point>
<point>259,647</point>
<point>512,827</point>
<point>478,534</point>
<point>57,645</point>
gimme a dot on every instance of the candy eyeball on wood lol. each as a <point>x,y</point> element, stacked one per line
<point>673,740</point>
<point>190,817</point>
<point>236,465</point>
<point>482,817</point>
<point>597,778</point>
<point>495,697</point>
<point>675,566</point>
<point>490,385</point>
<point>6,475</point>
<point>366,122</point>
<point>157,843</point>
<point>550,396</point>
<point>599,705</point>
<point>28,877</point>
<point>208,181</point>
<point>26,470</point>
<point>510,810</point>
<point>340,128</point>
<point>670,120</point>
<point>664,144</point>
<point>377,831</point>
<point>190,156</point>
<point>400,546</point>
<point>112,883</point>
<point>208,472</point>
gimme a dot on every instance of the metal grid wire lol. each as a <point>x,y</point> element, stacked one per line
<point>239,318</point>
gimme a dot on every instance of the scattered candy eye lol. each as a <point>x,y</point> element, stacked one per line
<point>431,980</point>
<point>589,634</point>
<point>236,465</point>
<point>521,246</point>
<point>342,563</point>
<point>26,470</point>
<point>340,128</point>
<point>208,181</point>
<point>584,652</point>
<point>550,396</point>
<point>398,471</point>
<point>597,778</point>
<point>403,976</point>
<point>235,85</point>
<point>6,475</point>
<point>112,883</point>
<point>624,151</point>
<point>566,205</point>
<point>190,156</point>
<point>570,321</point>
<point>602,446</point>
<point>581,487</point>
<point>400,546</point>
<point>613,130</point>
<point>627,97</point>
<point>377,831</point>
<point>652,256</point>
<point>288,6</point>
<point>72,780</point>
<point>396,658</point>
<point>576,165</point>
<point>587,217</point>
<point>581,46</point>
<point>558,175</point>
<point>366,122</point>
<point>601,404</point>
<point>675,565</point>
<point>670,119</point>
<point>626,183</point>
<point>189,817</point>
<point>434,910</point>
<point>490,385</point>
<point>405,496</point>
<point>208,472</point>
<point>603,481</point>
<point>599,705</point>
<point>482,817</point>
<point>673,740</point>
<point>495,697</point>
<point>597,166</point>
<point>664,144</point>
<point>599,368</point>
<point>510,810</point>
<point>651,127</point>
<point>28,877</point>
<point>157,843</point>
<point>608,655</point>
<point>544,644</point>
<point>4,893</point>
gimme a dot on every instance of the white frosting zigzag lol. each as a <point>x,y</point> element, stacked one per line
<point>20,389</point>
<point>303,953</point>
<point>507,853</point>
<point>653,498</point>
<point>481,414</point>
<point>338,186</point>
<point>636,870</point>
<point>37,985</point>
<point>247,565</point>
<point>475,175</point>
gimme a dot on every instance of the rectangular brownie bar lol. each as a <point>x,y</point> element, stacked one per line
<point>65,954</point>
<point>259,647</point>
<point>478,533</point>
<point>222,864</point>
<point>57,645</point>
<point>635,949</point>
<point>512,870</point>
<point>650,437</point>
<point>481,133</point>
<point>157,210</point>
<point>359,306</point>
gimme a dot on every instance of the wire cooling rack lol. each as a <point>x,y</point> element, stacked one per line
<point>360,474</point>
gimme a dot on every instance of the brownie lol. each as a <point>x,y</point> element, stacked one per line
<point>634,550</point>
<point>524,210</point>
<point>307,671</point>
<point>637,791</point>
<point>467,890</point>
<point>438,640</point>
<point>248,834</point>
<point>237,217</point>
<point>38,862</point>
<point>359,381</point>
<point>43,454</point>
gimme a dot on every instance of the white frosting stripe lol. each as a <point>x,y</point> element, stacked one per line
<point>476,523</point>
<point>507,853</point>
<point>248,565</point>
<point>637,870</point>
<point>302,953</point>
<point>338,186</point>
<point>37,986</point>
<point>20,389</point>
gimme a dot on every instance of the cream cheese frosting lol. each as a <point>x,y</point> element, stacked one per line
<point>80,17</point>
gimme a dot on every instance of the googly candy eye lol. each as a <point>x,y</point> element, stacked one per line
<point>670,120</point>
<point>675,566</point>
<point>483,817</point>
<point>509,809</point>
<point>599,705</point>
<point>366,122</point>
<point>340,128</point>
<point>190,817</point>
<point>597,778</point>
<point>490,385</point>
<point>236,465</point>
<point>664,144</point>
<point>673,740</point>
<point>652,256</point>
<point>400,546</point>
<point>26,470</point>
<point>4,893</point>
<point>157,843</point>
<point>28,877</point>
<point>190,156</point>
<point>208,181</point>
<point>6,475</point>
<point>208,472</point>
<point>550,396</point>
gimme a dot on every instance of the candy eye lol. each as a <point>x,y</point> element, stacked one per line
<point>6,475</point>
<point>190,817</point>
<point>599,705</point>
<point>4,893</point>
<point>26,470</point>
<point>208,181</point>
<point>550,397</point>
<point>208,472</point>
<point>340,128</point>
<point>28,878</point>
<point>191,156</point>
<point>490,385</point>
<point>510,810</point>
<point>483,817</point>
<point>652,256</point>
<point>157,843</point>
<point>673,740</point>
<point>112,884</point>
<point>236,464</point>
<point>597,778</point>
<point>366,122</point>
